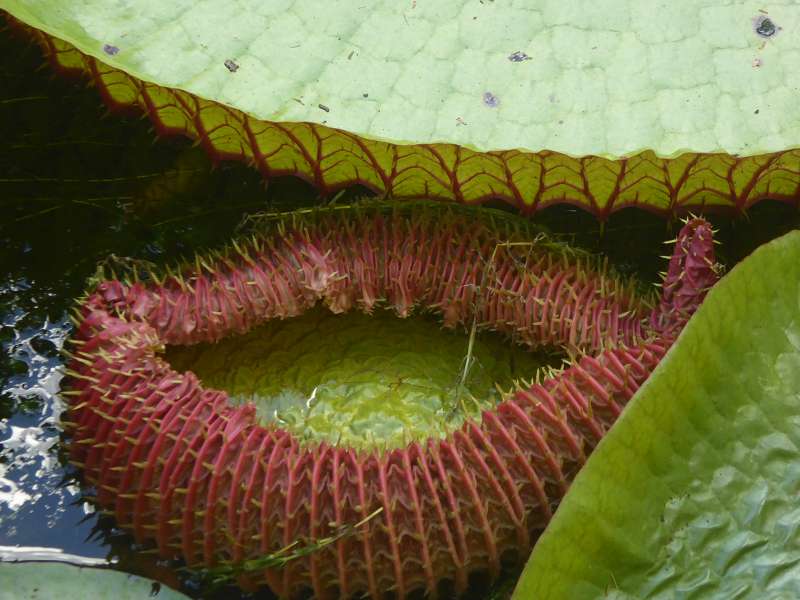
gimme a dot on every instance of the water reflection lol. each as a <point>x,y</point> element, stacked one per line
<point>40,504</point>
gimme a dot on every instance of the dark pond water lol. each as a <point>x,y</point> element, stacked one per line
<point>76,186</point>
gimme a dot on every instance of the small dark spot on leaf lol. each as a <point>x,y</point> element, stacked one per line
<point>323,107</point>
<point>349,56</point>
<point>756,111</point>
<point>490,100</point>
<point>560,122</point>
<point>765,27</point>
<point>365,95</point>
<point>518,56</point>
<point>231,66</point>
<point>110,50</point>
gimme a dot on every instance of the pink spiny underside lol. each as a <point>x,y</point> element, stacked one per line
<point>443,266</point>
<point>179,465</point>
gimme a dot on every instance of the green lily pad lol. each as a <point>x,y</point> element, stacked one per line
<point>42,581</point>
<point>603,105</point>
<point>694,492</point>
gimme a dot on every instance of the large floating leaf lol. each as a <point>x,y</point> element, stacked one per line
<point>695,492</point>
<point>42,581</point>
<point>667,106</point>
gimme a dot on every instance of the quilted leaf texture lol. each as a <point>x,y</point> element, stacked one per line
<point>693,494</point>
<point>593,106</point>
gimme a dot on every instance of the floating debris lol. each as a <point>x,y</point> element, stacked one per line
<point>765,27</point>
<point>518,56</point>
<point>490,100</point>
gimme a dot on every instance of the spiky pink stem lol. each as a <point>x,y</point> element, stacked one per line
<point>180,465</point>
<point>692,271</point>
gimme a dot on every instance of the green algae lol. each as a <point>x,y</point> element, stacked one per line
<point>363,380</point>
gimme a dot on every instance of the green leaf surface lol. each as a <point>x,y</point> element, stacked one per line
<point>606,78</point>
<point>361,380</point>
<point>604,105</point>
<point>46,581</point>
<point>694,492</point>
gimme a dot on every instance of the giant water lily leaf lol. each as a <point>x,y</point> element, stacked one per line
<point>34,581</point>
<point>609,104</point>
<point>694,492</point>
